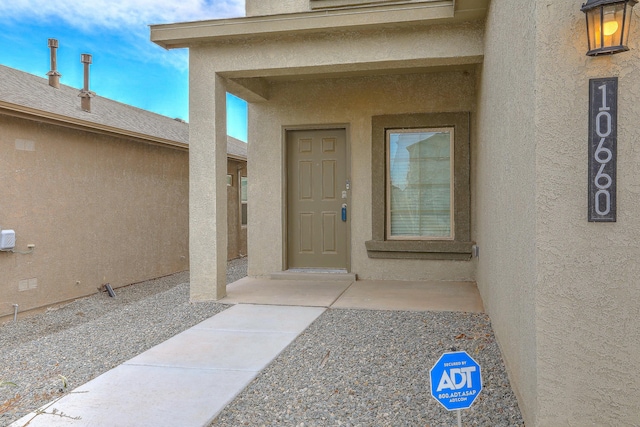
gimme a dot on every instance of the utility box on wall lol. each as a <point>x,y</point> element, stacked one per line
<point>7,240</point>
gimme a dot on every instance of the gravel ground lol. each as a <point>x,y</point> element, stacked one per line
<point>349,368</point>
<point>92,335</point>
<point>371,368</point>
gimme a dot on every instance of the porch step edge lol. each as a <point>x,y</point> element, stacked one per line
<point>317,275</point>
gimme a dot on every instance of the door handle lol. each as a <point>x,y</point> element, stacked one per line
<point>344,211</point>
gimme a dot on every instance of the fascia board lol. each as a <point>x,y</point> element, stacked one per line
<point>69,122</point>
<point>236,157</point>
<point>179,35</point>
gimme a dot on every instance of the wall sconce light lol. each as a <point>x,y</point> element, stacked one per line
<point>608,25</point>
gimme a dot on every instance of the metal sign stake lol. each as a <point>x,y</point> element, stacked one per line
<point>459,419</point>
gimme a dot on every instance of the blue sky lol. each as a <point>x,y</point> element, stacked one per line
<point>127,66</point>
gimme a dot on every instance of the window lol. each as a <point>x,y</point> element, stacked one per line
<point>243,200</point>
<point>420,182</point>
<point>419,176</point>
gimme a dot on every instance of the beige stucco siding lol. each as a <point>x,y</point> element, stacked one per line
<point>346,52</point>
<point>561,291</point>
<point>261,7</point>
<point>505,191</point>
<point>207,180</point>
<point>98,209</point>
<point>321,60</point>
<point>588,295</point>
<point>349,102</point>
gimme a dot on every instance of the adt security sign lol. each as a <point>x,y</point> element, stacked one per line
<point>455,380</point>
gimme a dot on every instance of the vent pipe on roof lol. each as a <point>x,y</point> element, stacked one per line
<point>85,94</point>
<point>54,75</point>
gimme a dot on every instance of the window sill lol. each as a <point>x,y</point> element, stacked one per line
<point>403,249</point>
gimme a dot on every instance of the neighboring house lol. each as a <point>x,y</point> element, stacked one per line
<point>335,86</point>
<point>102,194</point>
<point>236,198</point>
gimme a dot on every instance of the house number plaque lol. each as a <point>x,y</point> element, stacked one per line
<point>603,135</point>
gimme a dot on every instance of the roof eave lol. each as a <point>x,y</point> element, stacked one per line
<point>236,157</point>
<point>185,34</point>
<point>69,122</point>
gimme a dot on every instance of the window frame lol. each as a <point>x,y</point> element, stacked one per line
<point>243,203</point>
<point>458,248</point>
<point>451,132</point>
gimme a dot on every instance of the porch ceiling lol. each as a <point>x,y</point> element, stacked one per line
<point>424,65</point>
<point>256,89</point>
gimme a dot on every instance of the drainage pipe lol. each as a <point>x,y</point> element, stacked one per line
<point>15,312</point>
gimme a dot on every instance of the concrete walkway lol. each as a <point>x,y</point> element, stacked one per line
<point>187,380</point>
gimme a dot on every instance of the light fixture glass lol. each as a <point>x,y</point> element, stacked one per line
<point>608,25</point>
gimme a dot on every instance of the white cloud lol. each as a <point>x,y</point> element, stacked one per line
<point>110,14</point>
<point>124,20</point>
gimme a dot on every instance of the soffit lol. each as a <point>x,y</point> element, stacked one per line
<point>429,12</point>
<point>258,88</point>
<point>301,76</point>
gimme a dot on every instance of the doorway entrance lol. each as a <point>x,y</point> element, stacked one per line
<point>317,199</point>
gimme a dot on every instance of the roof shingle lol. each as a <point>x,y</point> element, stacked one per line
<point>21,89</point>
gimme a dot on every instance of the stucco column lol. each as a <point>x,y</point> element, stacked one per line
<point>207,182</point>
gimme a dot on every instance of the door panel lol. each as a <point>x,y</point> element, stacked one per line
<point>329,179</point>
<point>316,179</point>
<point>305,179</point>
<point>329,233</point>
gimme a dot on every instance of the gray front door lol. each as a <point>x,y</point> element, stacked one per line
<point>317,232</point>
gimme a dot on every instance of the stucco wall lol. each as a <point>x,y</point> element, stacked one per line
<point>99,210</point>
<point>321,53</point>
<point>273,7</point>
<point>588,298</point>
<point>562,292</point>
<point>505,191</point>
<point>300,63</point>
<point>350,101</point>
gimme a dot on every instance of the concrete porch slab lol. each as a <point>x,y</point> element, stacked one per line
<point>362,294</point>
<point>411,296</point>
<point>309,293</point>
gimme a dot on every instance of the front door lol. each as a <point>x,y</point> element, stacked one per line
<point>317,230</point>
